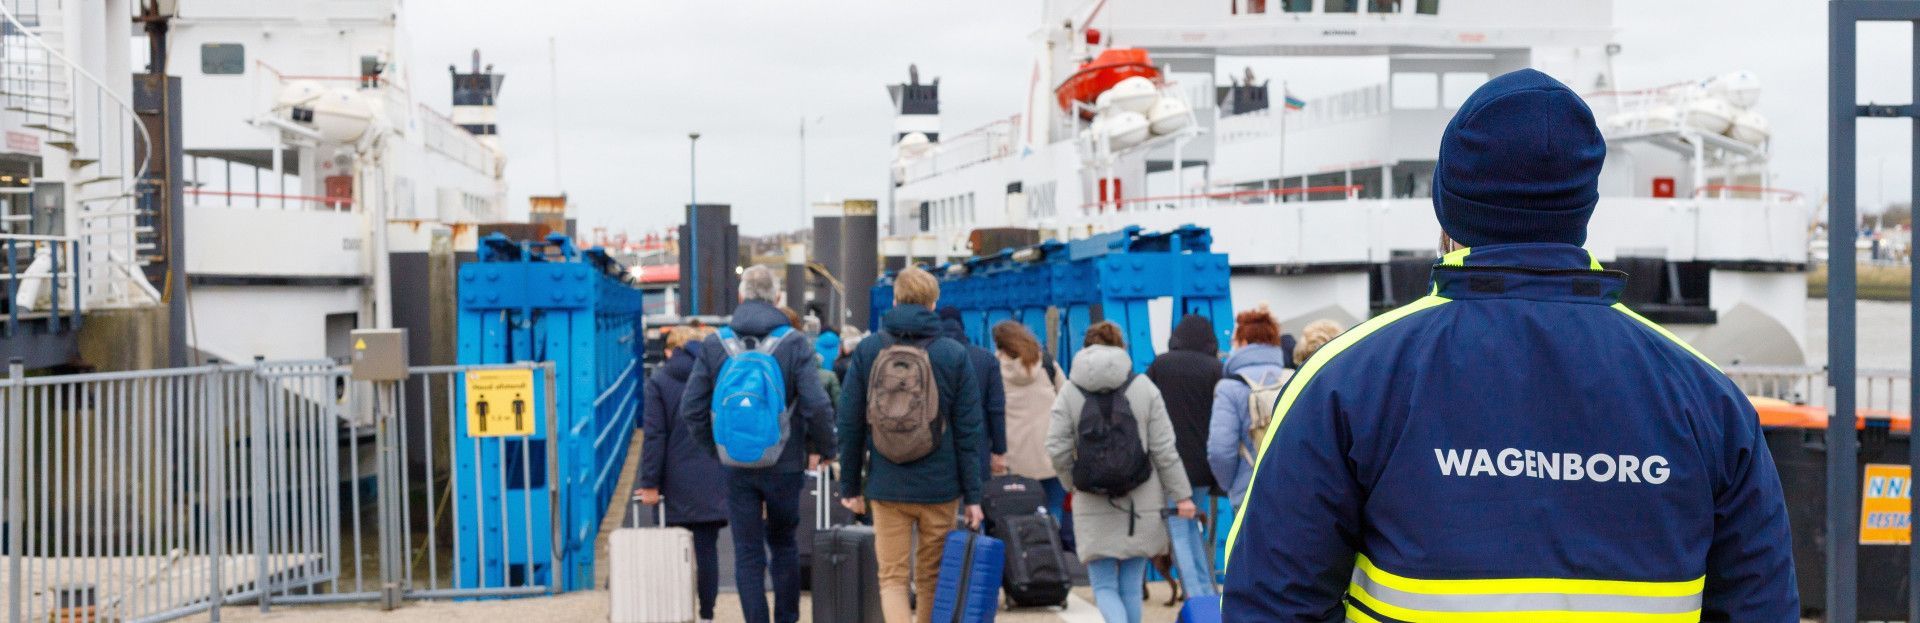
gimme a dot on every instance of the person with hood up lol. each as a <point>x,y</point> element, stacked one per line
<point>993,396</point>
<point>676,467</point>
<point>1118,534</point>
<point>918,498</point>
<point>828,345</point>
<point>763,503</point>
<point>1257,359</point>
<point>1518,444</point>
<point>1187,375</point>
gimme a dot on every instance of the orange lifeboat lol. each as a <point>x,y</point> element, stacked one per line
<point>1096,76</point>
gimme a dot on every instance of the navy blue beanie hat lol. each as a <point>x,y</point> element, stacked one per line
<point>1520,162</point>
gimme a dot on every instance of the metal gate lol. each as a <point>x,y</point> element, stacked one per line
<point>152,495</point>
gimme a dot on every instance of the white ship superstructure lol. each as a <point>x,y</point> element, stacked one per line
<point>1323,203</point>
<point>311,158</point>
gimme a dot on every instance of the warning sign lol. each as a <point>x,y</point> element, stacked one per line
<point>499,403</point>
<point>1884,509</point>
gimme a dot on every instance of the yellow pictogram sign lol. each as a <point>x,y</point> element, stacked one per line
<point>499,403</point>
<point>1884,515</point>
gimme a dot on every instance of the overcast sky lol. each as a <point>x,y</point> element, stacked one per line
<point>635,77</point>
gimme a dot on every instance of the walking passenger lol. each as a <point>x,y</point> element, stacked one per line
<point>1111,441</point>
<point>733,408</point>
<point>993,398</point>
<point>1186,375</point>
<point>910,433</point>
<point>676,467</point>
<point>1518,442</point>
<point>1316,335</point>
<point>1032,384</point>
<point>1242,401</point>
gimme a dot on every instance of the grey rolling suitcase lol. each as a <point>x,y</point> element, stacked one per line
<point>846,576</point>
<point>652,578</point>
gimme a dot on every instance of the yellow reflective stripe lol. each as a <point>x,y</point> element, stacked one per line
<point>1664,333</point>
<point>1305,375</point>
<point>1518,616</point>
<point>1594,262</point>
<point>1356,615</point>
<point>1386,578</point>
<point>1456,257</point>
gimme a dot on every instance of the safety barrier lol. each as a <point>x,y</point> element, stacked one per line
<point>1884,391</point>
<point>548,301</point>
<point>1058,289</point>
<point>159,494</point>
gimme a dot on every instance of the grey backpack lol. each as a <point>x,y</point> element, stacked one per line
<point>903,403</point>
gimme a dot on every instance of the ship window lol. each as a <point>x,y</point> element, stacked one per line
<point>223,59</point>
<point>1256,7</point>
<point>1383,6</point>
<point>1413,180</point>
<point>1416,91</point>
<point>1455,87</point>
<point>1426,7</point>
<point>1297,6</point>
<point>1368,180</point>
<point>1342,6</point>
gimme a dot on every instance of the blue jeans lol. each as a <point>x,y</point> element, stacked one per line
<point>1057,506</point>
<point>764,508</point>
<point>1190,556</point>
<point>1117,585</point>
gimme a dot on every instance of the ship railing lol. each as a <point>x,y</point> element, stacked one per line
<point>1740,191</point>
<point>447,138</point>
<point>42,283</point>
<point>1255,196</point>
<point>155,495</point>
<point>269,201</point>
<point>997,139</point>
<point>1882,390</point>
<point>1327,110</point>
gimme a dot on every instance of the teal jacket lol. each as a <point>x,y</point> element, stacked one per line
<point>937,477</point>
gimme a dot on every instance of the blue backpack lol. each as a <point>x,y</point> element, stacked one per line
<point>750,426</point>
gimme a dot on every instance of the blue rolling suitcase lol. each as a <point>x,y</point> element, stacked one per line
<point>1201,610</point>
<point>970,568</point>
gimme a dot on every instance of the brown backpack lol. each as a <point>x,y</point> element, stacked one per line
<point>903,404</point>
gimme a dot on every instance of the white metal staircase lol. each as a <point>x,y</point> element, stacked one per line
<point>93,142</point>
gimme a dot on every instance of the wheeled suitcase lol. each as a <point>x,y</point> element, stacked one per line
<point>1007,496</point>
<point>969,588</point>
<point>1036,572</point>
<point>652,579</point>
<point>819,509</point>
<point>846,578</point>
<point>1200,610</point>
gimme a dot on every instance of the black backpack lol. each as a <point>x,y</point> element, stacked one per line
<point>1110,459</point>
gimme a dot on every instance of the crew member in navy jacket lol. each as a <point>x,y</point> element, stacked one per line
<point>1517,445</point>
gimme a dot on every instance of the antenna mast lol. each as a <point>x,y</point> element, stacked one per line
<point>553,90</point>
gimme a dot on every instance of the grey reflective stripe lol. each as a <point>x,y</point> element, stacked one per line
<point>1526,602</point>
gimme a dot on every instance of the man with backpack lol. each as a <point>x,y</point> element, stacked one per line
<point>755,399</point>
<point>911,429</point>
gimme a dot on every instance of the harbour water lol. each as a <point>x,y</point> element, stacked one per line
<point>1884,336</point>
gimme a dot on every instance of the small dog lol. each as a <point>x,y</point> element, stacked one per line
<point>1163,563</point>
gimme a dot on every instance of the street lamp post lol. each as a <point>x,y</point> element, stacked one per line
<point>693,228</point>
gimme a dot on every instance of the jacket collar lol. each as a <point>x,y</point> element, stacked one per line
<point>1530,271</point>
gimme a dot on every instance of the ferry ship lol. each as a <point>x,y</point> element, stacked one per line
<point>1322,202</point>
<point>314,179</point>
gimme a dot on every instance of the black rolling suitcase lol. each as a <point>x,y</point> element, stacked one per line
<point>846,578</point>
<point>1007,496</point>
<point>820,508</point>
<point>1036,573</point>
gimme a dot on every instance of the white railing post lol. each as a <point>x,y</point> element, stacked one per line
<point>16,490</point>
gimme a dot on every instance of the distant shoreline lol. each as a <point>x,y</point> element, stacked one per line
<point>1877,283</point>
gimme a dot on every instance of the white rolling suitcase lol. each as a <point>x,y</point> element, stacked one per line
<point>652,579</point>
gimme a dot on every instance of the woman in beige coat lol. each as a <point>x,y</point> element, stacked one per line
<point>1031,384</point>
<point>1118,534</point>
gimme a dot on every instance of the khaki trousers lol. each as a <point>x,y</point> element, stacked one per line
<point>895,525</point>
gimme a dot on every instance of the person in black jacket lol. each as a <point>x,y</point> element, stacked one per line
<point>764,503</point>
<point>993,395</point>
<point>676,468</point>
<point>1186,374</point>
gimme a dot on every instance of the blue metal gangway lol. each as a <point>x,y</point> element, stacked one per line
<point>546,301</point>
<point>1111,276</point>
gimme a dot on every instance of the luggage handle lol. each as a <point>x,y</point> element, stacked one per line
<point>660,512</point>
<point>823,498</point>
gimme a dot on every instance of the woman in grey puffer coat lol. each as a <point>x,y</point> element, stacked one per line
<point>1117,535</point>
